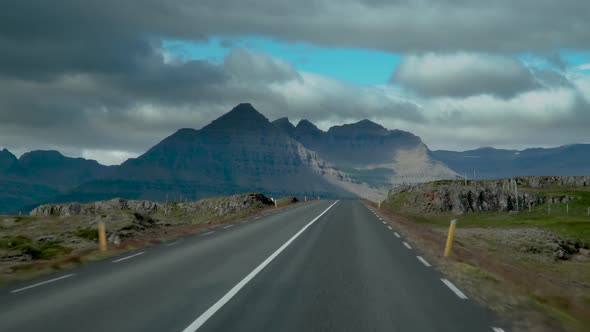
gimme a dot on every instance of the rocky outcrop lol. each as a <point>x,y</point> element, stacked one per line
<point>553,181</point>
<point>226,205</point>
<point>94,208</point>
<point>476,196</point>
<point>215,206</point>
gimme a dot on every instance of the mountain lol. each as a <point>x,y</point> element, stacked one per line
<point>371,153</point>
<point>38,176</point>
<point>240,151</point>
<point>243,151</point>
<point>53,169</point>
<point>7,161</point>
<point>285,125</point>
<point>490,163</point>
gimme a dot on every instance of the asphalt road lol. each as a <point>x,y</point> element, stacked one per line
<point>321,266</point>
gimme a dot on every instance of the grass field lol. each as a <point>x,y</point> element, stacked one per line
<point>568,220</point>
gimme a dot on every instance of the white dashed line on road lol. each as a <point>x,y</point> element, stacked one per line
<point>454,289</point>
<point>421,259</point>
<point>228,226</point>
<point>407,245</point>
<point>396,234</point>
<point>42,283</point>
<point>208,233</point>
<point>172,243</point>
<point>390,228</point>
<point>128,257</point>
<point>497,329</point>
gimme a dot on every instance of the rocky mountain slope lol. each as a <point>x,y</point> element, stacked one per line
<point>371,153</point>
<point>240,151</point>
<point>490,163</point>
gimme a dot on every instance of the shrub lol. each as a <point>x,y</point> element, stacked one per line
<point>28,247</point>
<point>88,234</point>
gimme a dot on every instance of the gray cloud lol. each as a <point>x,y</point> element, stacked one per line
<point>464,74</point>
<point>257,66</point>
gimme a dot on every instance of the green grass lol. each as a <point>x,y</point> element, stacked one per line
<point>88,234</point>
<point>574,226</point>
<point>37,251</point>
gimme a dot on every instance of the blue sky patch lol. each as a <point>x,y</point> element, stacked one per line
<point>359,66</point>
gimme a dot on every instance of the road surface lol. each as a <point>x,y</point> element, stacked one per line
<point>320,266</point>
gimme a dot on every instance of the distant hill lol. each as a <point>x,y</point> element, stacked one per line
<point>41,175</point>
<point>490,163</point>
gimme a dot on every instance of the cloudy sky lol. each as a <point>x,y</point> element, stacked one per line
<point>108,79</point>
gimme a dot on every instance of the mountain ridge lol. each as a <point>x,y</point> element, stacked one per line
<point>243,151</point>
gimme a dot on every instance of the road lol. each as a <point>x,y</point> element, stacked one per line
<point>320,266</point>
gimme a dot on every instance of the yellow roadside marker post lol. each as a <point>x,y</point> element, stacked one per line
<point>449,245</point>
<point>102,237</point>
<point>379,204</point>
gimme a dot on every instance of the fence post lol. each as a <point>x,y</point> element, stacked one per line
<point>450,237</point>
<point>102,237</point>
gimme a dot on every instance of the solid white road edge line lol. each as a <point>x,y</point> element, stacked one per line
<point>396,234</point>
<point>232,292</point>
<point>421,259</point>
<point>454,289</point>
<point>126,258</point>
<point>42,283</point>
<point>407,245</point>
